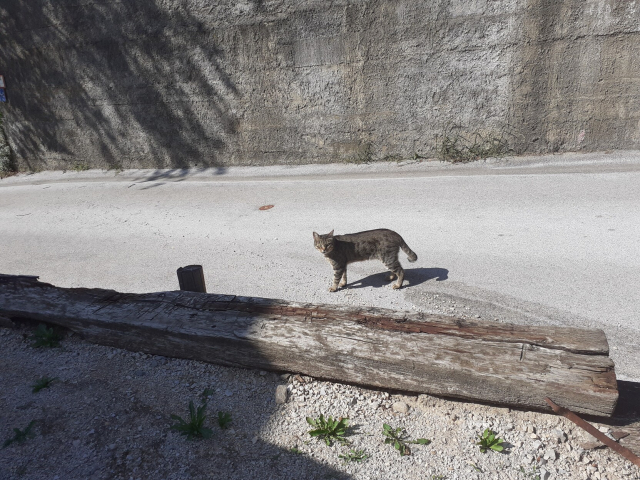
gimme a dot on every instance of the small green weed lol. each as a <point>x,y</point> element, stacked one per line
<point>224,419</point>
<point>488,440</point>
<point>206,393</point>
<point>329,430</point>
<point>194,428</point>
<point>459,147</point>
<point>118,167</point>
<point>80,167</point>
<point>19,435</point>
<point>394,157</point>
<point>354,456</point>
<point>46,337</point>
<point>397,438</point>
<point>534,474</point>
<point>295,450</point>
<point>363,154</point>
<point>438,477</point>
<point>44,382</point>
<point>7,163</point>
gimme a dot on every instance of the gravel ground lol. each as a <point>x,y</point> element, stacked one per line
<point>107,416</point>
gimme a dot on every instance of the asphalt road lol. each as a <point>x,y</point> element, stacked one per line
<point>545,240</point>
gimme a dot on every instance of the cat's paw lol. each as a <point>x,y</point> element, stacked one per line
<point>333,289</point>
<point>342,284</point>
<point>396,286</point>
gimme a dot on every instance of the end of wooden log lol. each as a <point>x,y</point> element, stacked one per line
<point>6,322</point>
<point>191,278</point>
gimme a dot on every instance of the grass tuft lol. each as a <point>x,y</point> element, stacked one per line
<point>46,337</point>
<point>458,147</point>
<point>224,419</point>
<point>44,382</point>
<point>354,456</point>
<point>363,154</point>
<point>20,435</point>
<point>194,428</point>
<point>329,430</point>
<point>7,163</point>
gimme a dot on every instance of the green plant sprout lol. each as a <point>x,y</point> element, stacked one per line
<point>488,440</point>
<point>329,430</point>
<point>397,438</point>
<point>194,428</point>
<point>44,382</point>
<point>20,435</point>
<point>45,337</point>
<point>354,456</point>
<point>224,419</point>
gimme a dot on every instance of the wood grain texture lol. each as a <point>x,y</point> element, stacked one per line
<point>482,361</point>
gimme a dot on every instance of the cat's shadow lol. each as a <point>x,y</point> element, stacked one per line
<point>412,277</point>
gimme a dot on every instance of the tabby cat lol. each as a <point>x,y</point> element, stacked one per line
<point>382,244</point>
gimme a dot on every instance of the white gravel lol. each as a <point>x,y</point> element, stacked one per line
<point>108,417</point>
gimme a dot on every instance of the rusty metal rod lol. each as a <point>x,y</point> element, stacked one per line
<point>625,452</point>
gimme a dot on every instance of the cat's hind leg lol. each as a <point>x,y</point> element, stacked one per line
<point>396,271</point>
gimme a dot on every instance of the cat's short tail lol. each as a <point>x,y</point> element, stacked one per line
<point>411,255</point>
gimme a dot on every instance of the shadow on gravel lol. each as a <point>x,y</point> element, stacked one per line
<point>628,401</point>
<point>126,400</point>
<point>412,277</point>
<point>626,418</point>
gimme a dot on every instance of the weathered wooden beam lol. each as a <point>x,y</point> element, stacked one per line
<point>491,362</point>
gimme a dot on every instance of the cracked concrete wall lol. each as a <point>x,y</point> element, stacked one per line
<point>175,83</point>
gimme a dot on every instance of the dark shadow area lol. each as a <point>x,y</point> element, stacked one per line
<point>628,408</point>
<point>412,277</point>
<point>112,392</point>
<point>152,185</point>
<point>625,421</point>
<point>177,174</point>
<point>115,85</point>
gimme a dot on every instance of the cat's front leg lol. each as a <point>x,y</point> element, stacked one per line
<point>343,282</point>
<point>337,275</point>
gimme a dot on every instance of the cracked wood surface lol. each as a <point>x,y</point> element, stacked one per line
<point>490,362</point>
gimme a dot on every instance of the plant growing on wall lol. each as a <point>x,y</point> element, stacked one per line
<point>7,165</point>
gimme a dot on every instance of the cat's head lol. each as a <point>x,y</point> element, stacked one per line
<point>324,243</point>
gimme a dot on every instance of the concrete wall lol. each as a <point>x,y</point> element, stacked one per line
<point>172,83</point>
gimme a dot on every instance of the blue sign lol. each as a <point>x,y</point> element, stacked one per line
<point>3,96</point>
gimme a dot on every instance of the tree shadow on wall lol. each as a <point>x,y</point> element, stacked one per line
<point>127,84</point>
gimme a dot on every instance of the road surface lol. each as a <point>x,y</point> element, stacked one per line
<point>545,240</point>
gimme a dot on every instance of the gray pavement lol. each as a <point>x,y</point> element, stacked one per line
<point>540,240</point>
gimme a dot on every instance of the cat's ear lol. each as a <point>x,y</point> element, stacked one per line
<point>316,236</point>
<point>330,234</point>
